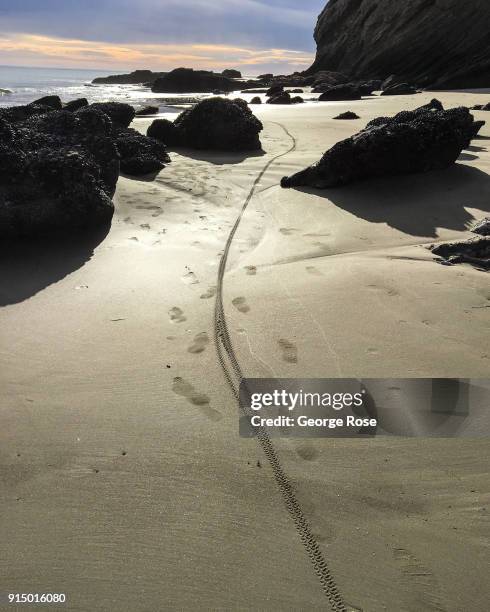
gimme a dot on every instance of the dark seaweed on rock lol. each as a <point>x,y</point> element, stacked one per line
<point>215,123</point>
<point>413,141</point>
<point>59,169</point>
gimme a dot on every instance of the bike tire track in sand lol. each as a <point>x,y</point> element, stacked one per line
<point>233,375</point>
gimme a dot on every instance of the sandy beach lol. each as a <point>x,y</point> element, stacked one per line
<point>124,482</point>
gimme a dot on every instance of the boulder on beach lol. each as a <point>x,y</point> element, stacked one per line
<point>59,168</point>
<point>475,252</point>
<point>340,92</point>
<point>232,74</point>
<point>328,78</point>
<point>482,227</point>
<point>187,80</point>
<point>53,102</point>
<point>402,89</point>
<point>140,154</point>
<point>282,97</point>
<point>57,173</point>
<point>434,44</point>
<point>265,77</point>
<point>75,105</point>
<point>274,90</point>
<point>121,114</point>
<point>348,115</point>
<point>256,100</point>
<point>213,124</point>
<point>413,141</point>
<point>147,110</point>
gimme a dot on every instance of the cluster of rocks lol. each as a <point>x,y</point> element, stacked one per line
<point>348,115</point>
<point>215,123</point>
<point>475,251</point>
<point>428,138</point>
<point>59,164</point>
<point>137,77</point>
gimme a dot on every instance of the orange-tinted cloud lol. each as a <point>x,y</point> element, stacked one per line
<point>35,50</point>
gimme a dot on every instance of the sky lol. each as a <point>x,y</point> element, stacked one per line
<point>252,35</point>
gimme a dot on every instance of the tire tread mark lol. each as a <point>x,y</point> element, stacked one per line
<point>231,370</point>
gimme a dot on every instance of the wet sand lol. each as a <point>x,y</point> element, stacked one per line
<point>124,482</point>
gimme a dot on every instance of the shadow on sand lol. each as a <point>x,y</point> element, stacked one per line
<point>27,267</point>
<point>416,204</point>
<point>219,158</point>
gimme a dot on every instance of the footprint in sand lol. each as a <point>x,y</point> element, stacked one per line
<point>288,231</point>
<point>185,389</point>
<point>289,351</point>
<point>251,270</point>
<point>313,271</point>
<point>210,293</point>
<point>149,207</point>
<point>128,220</point>
<point>177,315</point>
<point>190,278</point>
<point>308,453</point>
<point>200,343</point>
<point>145,226</point>
<point>240,303</point>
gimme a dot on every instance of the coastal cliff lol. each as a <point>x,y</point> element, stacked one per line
<point>441,44</point>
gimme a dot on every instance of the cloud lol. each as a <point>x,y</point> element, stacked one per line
<point>37,50</point>
<point>254,23</point>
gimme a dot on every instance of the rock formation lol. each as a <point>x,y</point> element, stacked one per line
<point>187,80</point>
<point>232,74</point>
<point>441,44</point>
<point>138,77</point>
<point>59,168</point>
<point>413,141</point>
<point>215,123</point>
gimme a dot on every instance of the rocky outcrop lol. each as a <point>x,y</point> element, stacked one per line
<point>138,77</point>
<point>75,105</point>
<point>402,89</point>
<point>215,123</point>
<point>285,98</point>
<point>413,141</point>
<point>475,252</point>
<point>440,44</point>
<point>348,115</point>
<point>187,80</point>
<point>146,111</point>
<point>53,102</point>
<point>482,227</point>
<point>340,92</point>
<point>232,74</point>
<point>120,113</point>
<point>59,168</point>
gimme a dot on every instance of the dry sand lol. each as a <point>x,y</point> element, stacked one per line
<point>124,483</point>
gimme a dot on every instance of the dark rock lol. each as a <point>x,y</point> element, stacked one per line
<point>232,74</point>
<point>366,88</point>
<point>297,91</point>
<point>165,131</point>
<point>255,91</point>
<point>433,44</point>
<point>75,105</point>
<point>53,102</point>
<point>265,77</point>
<point>140,154</point>
<point>486,107</point>
<point>59,169</point>
<point>482,227</point>
<point>477,107</point>
<point>390,81</point>
<point>14,114</point>
<point>340,92</point>
<point>347,115</point>
<point>121,114</point>
<point>215,123</point>
<point>282,97</point>
<point>475,252</point>
<point>297,100</point>
<point>402,89</point>
<point>256,100</point>
<point>186,80</point>
<point>56,173</point>
<point>138,77</point>
<point>412,141</point>
<point>477,126</point>
<point>274,90</point>
<point>147,110</point>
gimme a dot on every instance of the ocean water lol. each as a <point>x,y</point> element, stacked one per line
<point>25,84</point>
